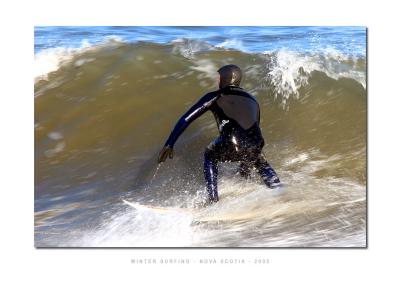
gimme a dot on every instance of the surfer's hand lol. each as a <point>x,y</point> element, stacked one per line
<point>167,151</point>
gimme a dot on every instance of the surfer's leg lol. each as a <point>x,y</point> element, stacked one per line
<point>211,175</point>
<point>266,172</point>
<point>211,157</point>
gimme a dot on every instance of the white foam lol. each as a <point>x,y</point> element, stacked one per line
<point>243,207</point>
<point>290,70</point>
<point>232,44</point>
<point>142,228</point>
<point>206,67</point>
<point>284,72</point>
<point>82,61</point>
<point>58,148</point>
<point>298,159</point>
<point>188,48</point>
<point>50,60</point>
<point>55,136</point>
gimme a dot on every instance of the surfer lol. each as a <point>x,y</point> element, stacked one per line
<point>238,117</point>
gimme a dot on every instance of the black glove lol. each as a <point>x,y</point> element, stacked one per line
<point>164,153</point>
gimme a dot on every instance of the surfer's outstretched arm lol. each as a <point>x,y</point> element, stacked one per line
<point>198,109</point>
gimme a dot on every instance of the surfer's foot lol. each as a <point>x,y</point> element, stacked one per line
<point>210,201</point>
<point>213,200</point>
<point>273,182</point>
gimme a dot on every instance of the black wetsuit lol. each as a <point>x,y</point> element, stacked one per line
<point>238,116</point>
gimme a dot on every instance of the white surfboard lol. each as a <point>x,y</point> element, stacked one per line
<point>199,215</point>
<point>156,209</point>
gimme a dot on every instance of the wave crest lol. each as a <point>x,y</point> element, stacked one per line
<point>288,71</point>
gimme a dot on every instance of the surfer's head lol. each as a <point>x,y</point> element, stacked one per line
<point>229,75</point>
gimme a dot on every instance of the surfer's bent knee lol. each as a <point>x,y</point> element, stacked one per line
<point>210,153</point>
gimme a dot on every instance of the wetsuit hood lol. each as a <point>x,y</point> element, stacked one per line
<point>230,75</point>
